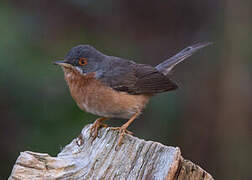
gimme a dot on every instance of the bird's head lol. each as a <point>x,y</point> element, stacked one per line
<point>84,59</point>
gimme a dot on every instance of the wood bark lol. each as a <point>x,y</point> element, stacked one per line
<point>102,158</point>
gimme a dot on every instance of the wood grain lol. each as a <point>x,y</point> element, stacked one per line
<point>101,158</point>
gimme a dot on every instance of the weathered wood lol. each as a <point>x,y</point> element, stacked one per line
<point>85,158</point>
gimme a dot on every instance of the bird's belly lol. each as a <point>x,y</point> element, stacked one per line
<point>101,100</point>
<point>107,102</point>
<point>121,107</point>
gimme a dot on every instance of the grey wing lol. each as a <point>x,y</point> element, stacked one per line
<point>149,80</point>
<point>127,76</point>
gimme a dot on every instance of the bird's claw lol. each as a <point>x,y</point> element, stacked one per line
<point>122,132</point>
<point>95,128</point>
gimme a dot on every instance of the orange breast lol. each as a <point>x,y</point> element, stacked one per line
<point>96,98</point>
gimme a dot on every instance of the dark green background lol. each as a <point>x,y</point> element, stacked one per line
<point>209,117</point>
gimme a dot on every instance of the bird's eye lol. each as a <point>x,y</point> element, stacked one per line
<point>82,61</point>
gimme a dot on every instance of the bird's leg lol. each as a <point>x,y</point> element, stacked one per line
<point>123,129</point>
<point>96,126</point>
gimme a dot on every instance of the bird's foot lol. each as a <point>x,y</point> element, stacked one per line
<point>122,132</point>
<point>96,126</point>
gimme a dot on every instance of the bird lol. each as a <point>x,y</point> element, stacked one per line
<point>114,87</point>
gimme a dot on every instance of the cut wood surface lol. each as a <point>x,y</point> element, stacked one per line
<point>101,158</point>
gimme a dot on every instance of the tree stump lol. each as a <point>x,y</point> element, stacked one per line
<point>101,158</point>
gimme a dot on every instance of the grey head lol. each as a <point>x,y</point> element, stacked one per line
<point>85,59</point>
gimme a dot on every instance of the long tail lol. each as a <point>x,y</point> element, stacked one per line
<point>166,66</point>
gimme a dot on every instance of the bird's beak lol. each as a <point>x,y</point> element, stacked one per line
<point>62,63</point>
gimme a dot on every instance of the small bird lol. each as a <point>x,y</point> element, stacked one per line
<point>113,87</point>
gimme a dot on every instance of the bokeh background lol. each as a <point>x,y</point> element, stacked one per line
<point>209,117</point>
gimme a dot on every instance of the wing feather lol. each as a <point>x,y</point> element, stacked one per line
<point>127,76</point>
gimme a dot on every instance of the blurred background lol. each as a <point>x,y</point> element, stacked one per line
<point>209,117</point>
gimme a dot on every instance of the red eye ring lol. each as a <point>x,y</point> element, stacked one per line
<point>82,61</point>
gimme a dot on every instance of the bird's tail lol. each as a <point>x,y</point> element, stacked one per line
<point>166,66</point>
